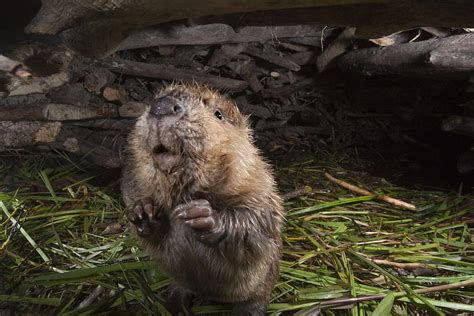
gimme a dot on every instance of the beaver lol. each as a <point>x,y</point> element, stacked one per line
<point>202,200</point>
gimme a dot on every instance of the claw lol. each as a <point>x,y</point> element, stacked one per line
<point>144,216</point>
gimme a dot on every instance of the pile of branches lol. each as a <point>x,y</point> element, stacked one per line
<point>287,78</point>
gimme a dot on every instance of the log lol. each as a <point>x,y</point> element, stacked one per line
<point>211,34</point>
<point>53,112</point>
<point>38,84</point>
<point>7,64</point>
<point>123,66</point>
<point>106,124</point>
<point>98,78</point>
<point>336,48</point>
<point>96,28</point>
<point>132,109</point>
<point>19,100</point>
<point>371,18</point>
<point>102,148</point>
<point>21,134</point>
<point>73,94</point>
<point>437,58</point>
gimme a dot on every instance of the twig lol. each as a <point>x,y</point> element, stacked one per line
<point>439,288</point>
<point>382,197</point>
<point>91,297</point>
<point>272,58</point>
<point>221,33</point>
<point>134,68</point>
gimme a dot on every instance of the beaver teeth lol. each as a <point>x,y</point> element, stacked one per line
<point>165,159</point>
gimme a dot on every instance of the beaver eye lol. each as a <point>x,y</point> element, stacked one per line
<point>218,114</point>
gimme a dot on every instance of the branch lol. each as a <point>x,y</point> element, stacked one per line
<point>211,34</point>
<point>134,68</point>
<point>361,191</point>
<point>447,57</point>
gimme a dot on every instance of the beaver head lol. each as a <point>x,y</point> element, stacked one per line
<point>192,137</point>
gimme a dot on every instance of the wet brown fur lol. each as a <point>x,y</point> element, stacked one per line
<point>218,163</point>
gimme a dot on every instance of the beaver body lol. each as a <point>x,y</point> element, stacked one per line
<point>203,202</point>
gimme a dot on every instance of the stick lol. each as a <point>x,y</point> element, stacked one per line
<point>439,288</point>
<point>361,191</point>
<point>450,57</point>
<point>91,297</point>
<point>272,58</point>
<point>336,48</point>
<point>134,68</point>
<point>53,112</point>
<point>212,34</point>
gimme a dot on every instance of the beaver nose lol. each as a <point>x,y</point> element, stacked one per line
<point>165,106</point>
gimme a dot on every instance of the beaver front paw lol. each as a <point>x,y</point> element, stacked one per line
<point>203,219</point>
<point>144,216</point>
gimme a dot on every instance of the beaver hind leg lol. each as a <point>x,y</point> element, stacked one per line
<point>250,308</point>
<point>180,301</point>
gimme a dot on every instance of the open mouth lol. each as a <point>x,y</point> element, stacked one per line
<point>160,149</point>
<point>165,159</point>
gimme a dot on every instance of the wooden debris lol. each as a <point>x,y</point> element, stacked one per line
<point>247,70</point>
<point>224,54</point>
<point>429,58</point>
<point>92,297</point>
<point>73,94</point>
<point>39,84</point>
<point>21,134</point>
<point>304,58</point>
<point>132,109</point>
<point>253,109</point>
<point>115,94</point>
<point>336,48</point>
<point>210,34</point>
<point>392,39</point>
<point>102,148</point>
<point>170,73</point>
<point>53,112</point>
<point>124,125</point>
<point>98,78</point>
<point>358,190</point>
<point>7,64</point>
<point>272,58</point>
<point>437,31</point>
